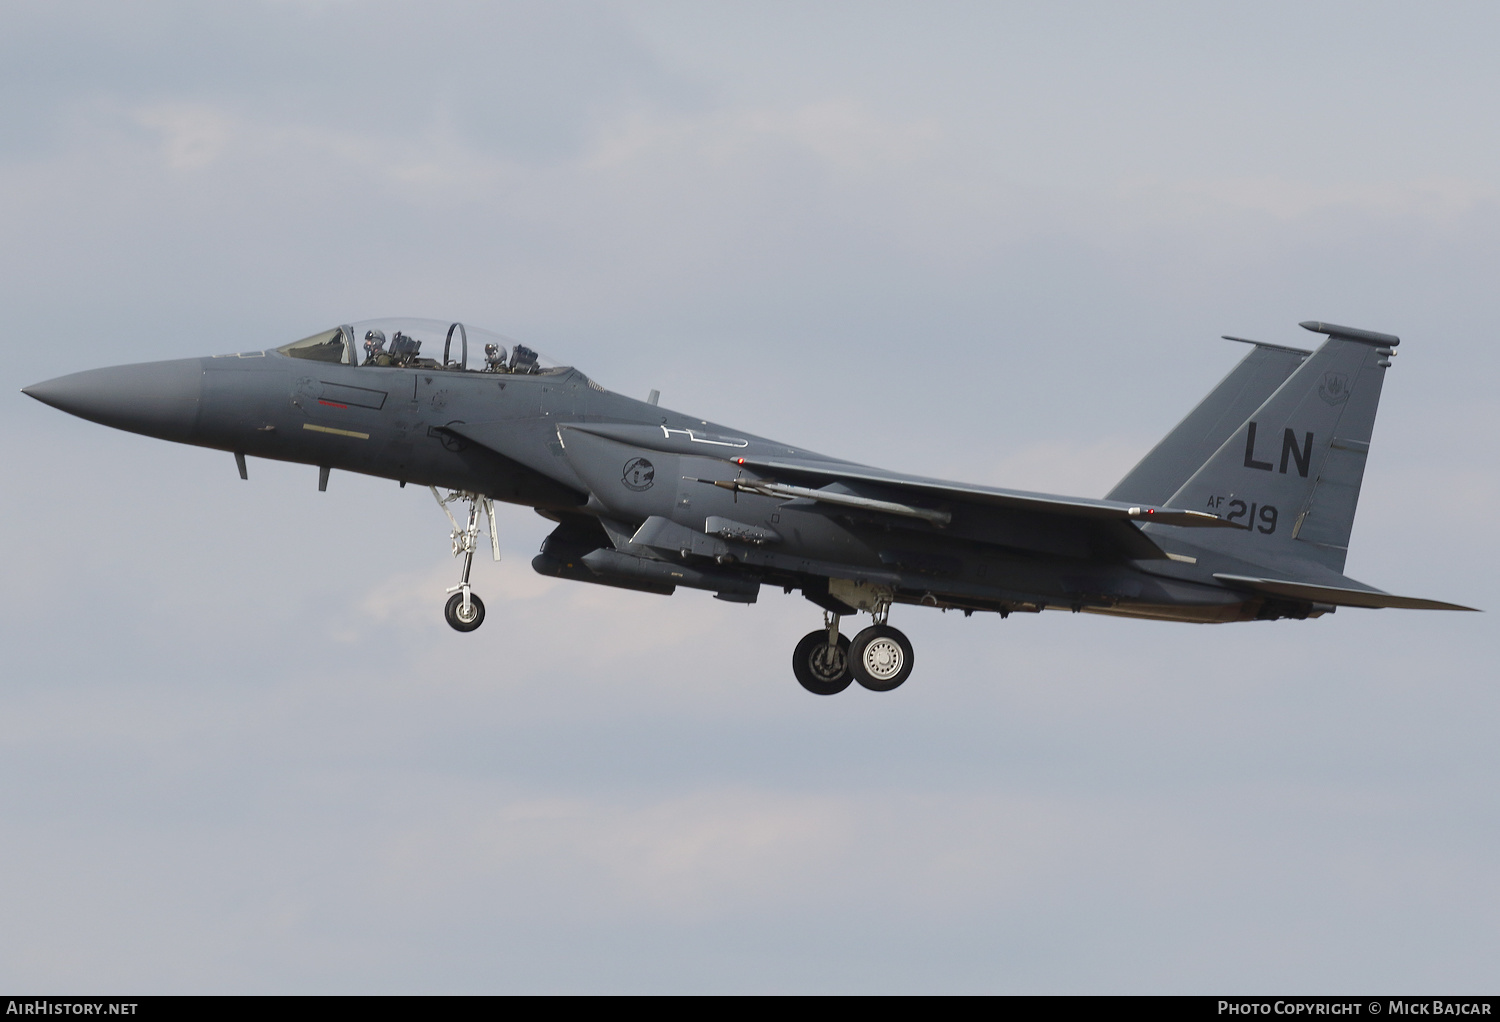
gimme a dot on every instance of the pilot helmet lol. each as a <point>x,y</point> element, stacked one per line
<point>374,340</point>
<point>494,354</point>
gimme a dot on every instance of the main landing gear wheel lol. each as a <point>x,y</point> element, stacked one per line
<point>464,619</point>
<point>880,658</point>
<point>821,668</point>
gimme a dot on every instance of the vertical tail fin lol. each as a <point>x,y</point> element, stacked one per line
<point>1291,472</point>
<point>1173,461</point>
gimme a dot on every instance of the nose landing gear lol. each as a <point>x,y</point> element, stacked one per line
<point>464,610</point>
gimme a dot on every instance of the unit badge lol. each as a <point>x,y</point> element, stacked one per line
<point>1334,389</point>
<point>638,475</point>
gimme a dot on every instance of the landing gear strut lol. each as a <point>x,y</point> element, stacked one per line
<point>465,611</point>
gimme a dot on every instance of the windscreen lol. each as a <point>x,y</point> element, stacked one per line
<point>329,346</point>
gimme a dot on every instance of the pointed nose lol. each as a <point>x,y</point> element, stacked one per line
<point>159,399</point>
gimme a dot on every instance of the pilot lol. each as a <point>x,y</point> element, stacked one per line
<point>494,358</point>
<point>375,353</point>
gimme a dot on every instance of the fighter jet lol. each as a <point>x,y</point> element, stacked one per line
<point>1241,513</point>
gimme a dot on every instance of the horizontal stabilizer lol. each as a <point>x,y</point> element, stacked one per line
<point>1334,595</point>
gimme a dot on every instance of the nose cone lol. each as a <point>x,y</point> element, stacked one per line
<point>159,399</point>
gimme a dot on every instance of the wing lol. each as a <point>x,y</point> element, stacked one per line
<point>1019,519</point>
<point>785,472</point>
<point>841,482</point>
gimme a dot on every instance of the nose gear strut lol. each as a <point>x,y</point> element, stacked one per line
<point>465,610</point>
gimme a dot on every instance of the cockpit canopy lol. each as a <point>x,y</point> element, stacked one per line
<point>405,343</point>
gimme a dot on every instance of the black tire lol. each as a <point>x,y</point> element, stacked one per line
<point>453,612</point>
<point>816,671</point>
<point>880,658</point>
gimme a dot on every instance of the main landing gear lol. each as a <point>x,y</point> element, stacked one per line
<point>465,611</point>
<point>879,658</point>
<point>821,659</point>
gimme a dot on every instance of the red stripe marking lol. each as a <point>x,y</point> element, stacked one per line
<point>332,404</point>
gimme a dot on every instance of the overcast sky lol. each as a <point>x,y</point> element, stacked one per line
<point>240,751</point>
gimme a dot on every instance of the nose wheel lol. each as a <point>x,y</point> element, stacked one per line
<point>464,610</point>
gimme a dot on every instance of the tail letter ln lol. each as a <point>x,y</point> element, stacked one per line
<point>1289,450</point>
